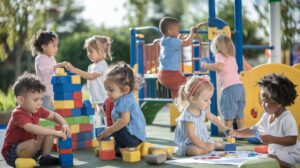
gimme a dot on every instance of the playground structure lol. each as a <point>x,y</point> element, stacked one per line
<point>154,96</point>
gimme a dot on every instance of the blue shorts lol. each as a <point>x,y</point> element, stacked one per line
<point>233,102</point>
<point>124,139</point>
<point>11,155</point>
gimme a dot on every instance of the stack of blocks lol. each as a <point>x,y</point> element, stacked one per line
<point>106,146</point>
<point>230,146</point>
<point>65,152</point>
<point>69,104</point>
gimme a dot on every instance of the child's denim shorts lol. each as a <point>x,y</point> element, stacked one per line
<point>233,102</point>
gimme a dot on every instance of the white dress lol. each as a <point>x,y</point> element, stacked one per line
<point>284,125</point>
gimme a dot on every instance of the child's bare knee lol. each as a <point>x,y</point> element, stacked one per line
<point>33,145</point>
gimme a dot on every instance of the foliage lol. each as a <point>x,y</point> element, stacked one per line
<point>7,101</point>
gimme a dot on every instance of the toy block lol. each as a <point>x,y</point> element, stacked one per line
<point>66,164</point>
<point>88,143</point>
<point>57,127</point>
<point>158,151</point>
<point>70,120</point>
<point>47,123</point>
<point>85,127</point>
<point>74,137</point>
<point>25,163</point>
<point>77,120</point>
<point>261,149</point>
<point>77,95</point>
<point>60,72</point>
<point>131,156</point>
<point>63,104</point>
<point>85,120</point>
<point>74,129</point>
<point>229,147</point>
<point>230,140</point>
<point>80,144</point>
<point>99,130</point>
<point>66,88</point>
<point>87,103</point>
<point>64,144</point>
<point>75,112</point>
<point>95,143</point>
<point>63,96</point>
<point>74,145</point>
<point>82,136</point>
<point>254,140</point>
<point>106,145</point>
<point>76,79</point>
<point>66,160</point>
<point>60,80</point>
<point>144,148</point>
<point>170,149</point>
<point>64,112</point>
<point>107,155</point>
<point>88,111</point>
<point>65,151</point>
<point>78,103</point>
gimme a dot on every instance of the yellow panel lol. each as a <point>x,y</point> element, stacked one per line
<point>95,143</point>
<point>74,129</point>
<point>63,104</point>
<point>106,145</point>
<point>76,79</point>
<point>60,72</point>
<point>250,78</point>
<point>131,156</point>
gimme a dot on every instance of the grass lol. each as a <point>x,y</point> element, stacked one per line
<point>7,101</point>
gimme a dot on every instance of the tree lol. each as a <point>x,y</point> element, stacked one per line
<point>19,20</point>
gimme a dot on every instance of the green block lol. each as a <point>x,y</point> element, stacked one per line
<point>47,123</point>
<point>85,119</point>
<point>77,120</point>
<point>70,120</point>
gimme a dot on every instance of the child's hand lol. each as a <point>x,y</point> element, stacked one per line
<point>230,132</point>
<point>104,134</point>
<point>61,134</point>
<point>211,146</point>
<point>70,67</point>
<point>266,139</point>
<point>66,130</point>
<point>193,30</point>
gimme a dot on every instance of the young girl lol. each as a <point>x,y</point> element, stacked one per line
<point>233,94</point>
<point>277,127</point>
<point>191,134</point>
<point>129,123</point>
<point>98,49</point>
<point>44,45</point>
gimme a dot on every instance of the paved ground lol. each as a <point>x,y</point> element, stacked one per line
<point>158,134</point>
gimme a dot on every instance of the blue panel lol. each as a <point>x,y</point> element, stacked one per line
<point>63,96</point>
<point>66,157</point>
<point>65,144</point>
<point>88,111</point>
<point>87,103</point>
<point>66,88</point>
<point>61,79</point>
<point>76,112</point>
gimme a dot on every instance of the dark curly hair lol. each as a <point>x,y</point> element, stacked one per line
<point>39,39</point>
<point>28,83</point>
<point>279,88</point>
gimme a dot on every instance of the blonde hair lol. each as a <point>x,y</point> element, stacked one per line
<point>193,87</point>
<point>224,45</point>
<point>97,42</point>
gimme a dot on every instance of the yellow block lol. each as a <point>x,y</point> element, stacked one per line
<point>74,129</point>
<point>131,156</point>
<point>60,72</point>
<point>106,145</point>
<point>173,114</point>
<point>76,79</point>
<point>230,140</point>
<point>170,149</point>
<point>63,104</point>
<point>95,143</point>
<point>144,148</point>
<point>25,163</point>
<point>159,151</point>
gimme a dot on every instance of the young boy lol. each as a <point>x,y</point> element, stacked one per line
<point>170,54</point>
<point>24,138</point>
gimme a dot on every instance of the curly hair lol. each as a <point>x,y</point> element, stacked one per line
<point>122,75</point>
<point>39,39</point>
<point>279,88</point>
<point>28,83</point>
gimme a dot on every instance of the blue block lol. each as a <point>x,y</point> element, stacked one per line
<point>65,144</point>
<point>76,112</point>
<point>66,88</point>
<point>229,147</point>
<point>99,130</point>
<point>80,144</point>
<point>63,96</point>
<point>254,140</point>
<point>88,111</point>
<point>66,157</point>
<point>83,136</point>
<point>87,103</point>
<point>69,73</point>
<point>60,80</point>
<point>89,135</point>
<point>66,164</point>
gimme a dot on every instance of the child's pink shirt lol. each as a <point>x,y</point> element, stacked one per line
<point>44,70</point>
<point>229,75</point>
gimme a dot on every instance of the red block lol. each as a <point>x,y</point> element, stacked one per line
<point>77,95</point>
<point>74,146</point>
<point>88,143</point>
<point>74,137</point>
<point>85,127</point>
<point>64,112</point>
<point>65,151</point>
<point>58,127</point>
<point>261,148</point>
<point>107,155</point>
<point>78,103</point>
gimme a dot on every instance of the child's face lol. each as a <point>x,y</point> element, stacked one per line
<point>32,101</point>
<point>113,91</point>
<point>173,31</point>
<point>269,105</point>
<point>202,102</point>
<point>51,48</point>
<point>94,55</point>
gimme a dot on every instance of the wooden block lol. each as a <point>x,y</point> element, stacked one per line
<point>131,156</point>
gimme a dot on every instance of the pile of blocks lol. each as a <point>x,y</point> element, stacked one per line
<point>65,152</point>
<point>106,148</point>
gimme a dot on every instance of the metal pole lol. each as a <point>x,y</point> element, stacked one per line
<point>275,33</point>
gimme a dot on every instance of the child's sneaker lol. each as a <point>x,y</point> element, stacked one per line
<point>48,160</point>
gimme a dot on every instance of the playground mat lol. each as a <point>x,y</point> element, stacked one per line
<point>158,134</point>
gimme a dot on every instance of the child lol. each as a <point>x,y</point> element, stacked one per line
<point>233,94</point>
<point>129,123</point>
<point>191,135</point>
<point>44,45</point>
<point>277,127</point>
<point>170,54</point>
<point>98,49</point>
<point>24,138</point>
